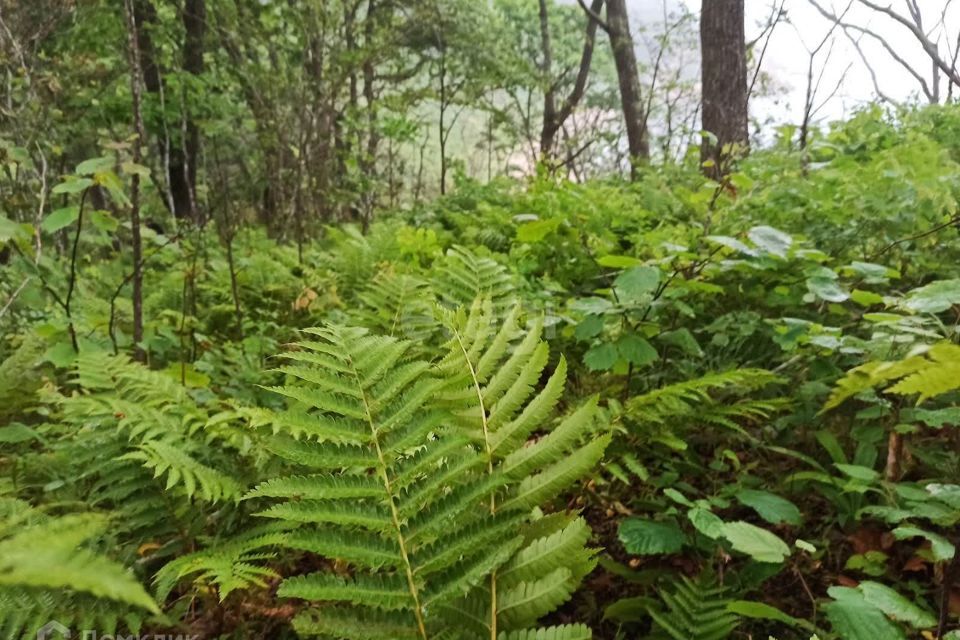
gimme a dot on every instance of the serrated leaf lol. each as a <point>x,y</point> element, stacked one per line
<point>634,283</point>
<point>771,240</point>
<point>537,230</point>
<point>770,507</point>
<point>759,544</point>
<point>895,605</point>
<point>935,297</point>
<point>853,618</point>
<point>72,185</point>
<point>601,357</point>
<point>706,522</point>
<point>826,289</point>
<point>941,549</point>
<point>858,472</point>
<point>733,243</point>
<point>589,327</point>
<point>636,350</point>
<point>618,262</point>
<point>94,165</point>
<point>760,611</point>
<point>650,537</point>
<point>60,218</point>
<point>866,298</point>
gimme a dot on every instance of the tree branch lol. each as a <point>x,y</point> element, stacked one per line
<point>594,16</point>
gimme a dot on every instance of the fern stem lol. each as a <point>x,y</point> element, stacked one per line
<point>394,514</point>
<point>493,497</point>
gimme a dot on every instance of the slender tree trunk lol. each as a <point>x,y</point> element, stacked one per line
<point>136,90</point>
<point>628,78</point>
<point>369,156</point>
<point>547,132</point>
<point>554,117</point>
<point>442,124</point>
<point>183,157</point>
<point>724,83</point>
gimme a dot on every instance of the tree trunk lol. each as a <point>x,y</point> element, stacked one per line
<point>134,37</point>
<point>724,83</point>
<point>183,157</point>
<point>621,42</point>
<point>182,154</point>
<point>553,118</point>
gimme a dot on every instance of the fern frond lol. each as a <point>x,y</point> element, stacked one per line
<point>356,623</point>
<point>560,475</point>
<point>661,404</point>
<point>397,304</point>
<point>48,555</point>
<point>393,501</point>
<point>563,632</point>
<point>939,374</point>
<point>463,277</point>
<point>360,548</point>
<point>318,487</point>
<point>229,566</point>
<point>523,605</point>
<point>493,392</point>
<point>197,479</point>
<point>694,611</point>
<point>564,548</point>
<point>389,593</point>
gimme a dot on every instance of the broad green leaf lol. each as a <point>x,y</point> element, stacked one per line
<point>538,230</point>
<point>618,262</point>
<point>760,611</point>
<point>870,272</point>
<point>948,493</point>
<point>103,221</point>
<point>940,548</point>
<point>60,354</point>
<point>895,605</point>
<point>759,544</point>
<point>60,218</point>
<point>594,305</point>
<point>8,229</point>
<point>677,497</point>
<point>771,240</point>
<point>827,289</point>
<point>706,522</point>
<point>634,283</point>
<point>733,243</point>
<point>601,357</point>
<point>770,507</point>
<point>72,185</point>
<point>682,339</point>
<point>853,618</point>
<point>94,165</point>
<point>865,298</point>
<point>857,472</point>
<point>636,350</point>
<point>630,609</point>
<point>642,537</point>
<point>589,327</point>
<point>934,298</point>
<point>132,168</point>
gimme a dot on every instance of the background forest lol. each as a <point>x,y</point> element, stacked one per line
<point>450,319</point>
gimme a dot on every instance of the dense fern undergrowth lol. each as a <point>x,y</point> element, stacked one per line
<point>669,409</point>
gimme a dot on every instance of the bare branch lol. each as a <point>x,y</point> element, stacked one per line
<point>915,27</point>
<point>594,16</point>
